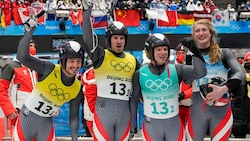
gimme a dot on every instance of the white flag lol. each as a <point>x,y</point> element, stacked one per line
<point>220,18</point>
<point>158,14</point>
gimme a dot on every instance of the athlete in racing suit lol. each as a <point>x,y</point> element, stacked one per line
<point>211,108</point>
<point>157,83</point>
<point>56,85</point>
<point>113,69</point>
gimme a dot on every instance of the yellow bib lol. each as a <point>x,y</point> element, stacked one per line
<point>114,76</point>
<point>50,94</point>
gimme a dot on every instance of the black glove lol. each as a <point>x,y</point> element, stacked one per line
<point>181,96</point>
<point>188,59</point>
<point>191,45</point>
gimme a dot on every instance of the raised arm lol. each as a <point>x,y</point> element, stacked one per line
<point>198,69</point>
<point>88,36</point>
<point>95,52</point>
<point>23,55</point>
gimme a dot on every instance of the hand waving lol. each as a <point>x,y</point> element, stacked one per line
<point>32,21</point>
<point>30,24</point>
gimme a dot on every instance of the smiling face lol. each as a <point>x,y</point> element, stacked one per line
<point>161,54</point>
<point>202,35</point>
<point>118,43</point>
<point>204,32</point>
<point>72,66</point>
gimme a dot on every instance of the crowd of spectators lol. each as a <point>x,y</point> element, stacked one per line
<point>51,6</point>
<point>141,5</point>
<point>244,6</point>
<point>109,5</point>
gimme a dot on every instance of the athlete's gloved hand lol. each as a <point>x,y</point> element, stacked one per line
<point>180,96</point>
<point>30,23</point>
<point>132,133</point>
<point>191,45</point>
<point>86,4</point>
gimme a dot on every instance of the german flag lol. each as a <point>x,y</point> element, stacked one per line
<point>185,17</point>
